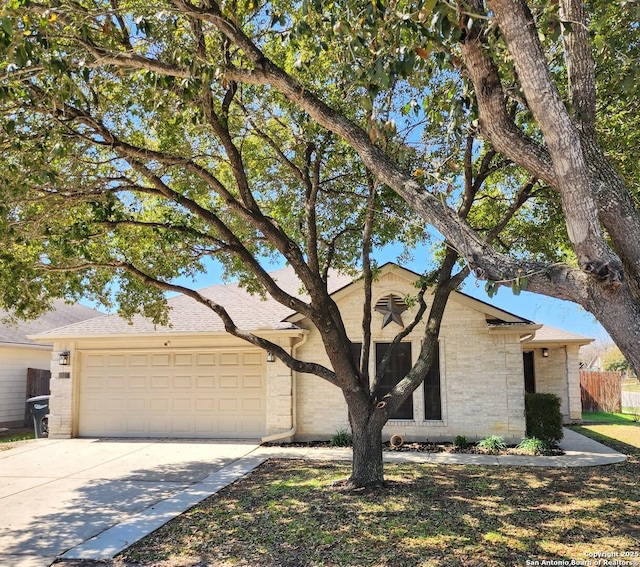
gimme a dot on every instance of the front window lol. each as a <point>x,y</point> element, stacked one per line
<point>432,400</point>
<point>397,369</point>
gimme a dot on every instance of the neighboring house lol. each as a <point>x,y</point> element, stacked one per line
<point>595,365</point>
<point>194,380</point>
<point>18,353</point>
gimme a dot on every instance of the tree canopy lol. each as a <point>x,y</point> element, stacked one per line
<point>139,139</point>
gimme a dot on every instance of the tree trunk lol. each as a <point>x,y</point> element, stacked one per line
<point>367,469</point>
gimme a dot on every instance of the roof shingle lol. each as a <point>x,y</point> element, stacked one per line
<point>62,314</point>
<point>186,315</point>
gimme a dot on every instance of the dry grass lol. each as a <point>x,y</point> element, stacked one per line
<point>286,514</point>
<point>628,434</point>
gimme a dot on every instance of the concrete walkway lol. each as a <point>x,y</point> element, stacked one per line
<point>184,484</point>
<point>580,451</point>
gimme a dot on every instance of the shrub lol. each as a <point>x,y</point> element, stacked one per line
<point>544,420</point>
<point>341,438</point>
<point>534,446</point>
<point>461,441</point>
<point>493,443</point>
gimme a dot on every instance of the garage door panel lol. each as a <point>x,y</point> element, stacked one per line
<point>136,404</point>
<point>115,382</point>
<point>94,361</point>
<point>183,381</point>
<point>252,404</point>
<point>160,381</point>
<point>252,381</point>
<point>160,359</point>
<point>205,427</point>
<point>252,359</point>
<point>115,404</point>
<point>115,361</point>
<point>138,360</point>
<point>229,428</point>
<point>196,394</point>
<point>183,360</point>
<point>137,382</point>
<point>228,404</point>
<point>229,381</point>
<point>181,404</point>
<point>205,404</point>
<point>159,404</point>
<point>155,427</point>
<point>249,427</point>
<point>181,426</point>
<point>229,359</point>
<point>205,359</point>
<point>204,382</point>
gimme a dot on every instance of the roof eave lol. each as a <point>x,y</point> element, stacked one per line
<point>264,331</point>
<point>514,328</point>
<point>542,343</point>
<point>40,346</point>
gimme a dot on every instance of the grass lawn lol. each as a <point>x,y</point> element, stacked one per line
<point>610,433</point>
<point>610,418</point>
<point>287,514</point>
<point>631,385</point>
<point>11,436</point>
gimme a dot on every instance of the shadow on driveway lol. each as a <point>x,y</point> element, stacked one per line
<point>59,493</point>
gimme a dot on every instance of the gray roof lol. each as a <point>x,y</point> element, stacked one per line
<point>548,334</point>
<point>62,314</point>
<point>250,312</point>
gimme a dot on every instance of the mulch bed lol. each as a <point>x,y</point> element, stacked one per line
<point>424,447</point>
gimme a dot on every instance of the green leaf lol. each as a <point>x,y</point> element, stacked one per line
<point>7,26</point>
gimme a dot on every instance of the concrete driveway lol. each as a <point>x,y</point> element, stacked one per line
<point>56,494</point>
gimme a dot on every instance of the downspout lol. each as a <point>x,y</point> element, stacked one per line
<point>566,374</point>
<point>294,406</point>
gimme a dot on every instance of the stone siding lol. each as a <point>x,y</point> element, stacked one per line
<point>482,382</point>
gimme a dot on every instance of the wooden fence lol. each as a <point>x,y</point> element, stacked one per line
<point>37,385</point>
<point>601,391</point>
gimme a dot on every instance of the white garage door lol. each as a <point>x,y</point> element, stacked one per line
<point>218,394</point>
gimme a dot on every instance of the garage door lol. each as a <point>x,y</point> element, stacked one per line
<point>218,394</point>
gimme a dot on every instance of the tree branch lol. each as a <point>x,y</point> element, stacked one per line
<point>580,64</point>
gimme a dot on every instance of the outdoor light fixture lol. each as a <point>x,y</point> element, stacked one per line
<point>270,357</point>
<point>545,352</point>
<point>65,358</point>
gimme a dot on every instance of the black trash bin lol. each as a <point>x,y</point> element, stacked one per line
<point>39,408</point>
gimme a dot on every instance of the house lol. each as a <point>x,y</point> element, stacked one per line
<point>18,353</point>
<point>193,380</point>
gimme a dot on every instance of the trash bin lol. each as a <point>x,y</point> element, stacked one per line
<point>39,408</point>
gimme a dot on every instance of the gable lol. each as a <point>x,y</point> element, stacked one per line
<point>399,282</point>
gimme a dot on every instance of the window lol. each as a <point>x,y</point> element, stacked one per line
<point>398,367</point>
<point>529,373</point>
<point>431,384</point>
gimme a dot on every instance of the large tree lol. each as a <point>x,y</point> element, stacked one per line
<point>138,140</point>
<point>531,74</point>
<point>115,181</point>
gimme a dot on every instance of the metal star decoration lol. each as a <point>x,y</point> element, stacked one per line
<point>391,308</point>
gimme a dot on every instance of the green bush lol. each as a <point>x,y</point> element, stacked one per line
<point>461,441</point>
<point>544,420</point>
<point>535,446</point>
<point>341,438</point>
<point>493,443</point>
